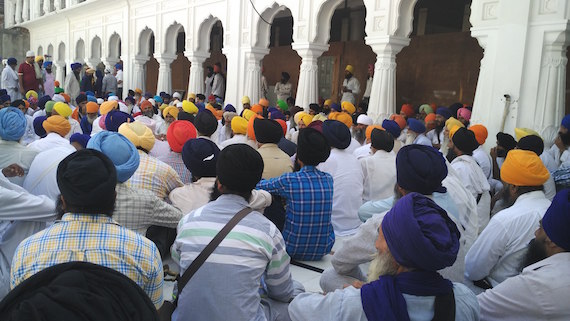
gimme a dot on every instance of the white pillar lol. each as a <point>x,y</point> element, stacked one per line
<point>18,15</point>
<point>26,10</point>
<point>110,62</point>
<point>57,4</point>
<point>196,78</point>
<point>253,73</point>
<point>164,72</point>
<point>383,94</point>
<point>9,12</point>
<point>308,85</point>
<point>59,70</point>
<point>92,63</point>
<point>47,6</point>
<point>139,72</point>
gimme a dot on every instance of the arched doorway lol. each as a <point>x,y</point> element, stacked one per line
<point>80,51</point>
<point>216,44</point>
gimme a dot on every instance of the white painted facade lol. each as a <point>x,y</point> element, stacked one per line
<point>525,45</point>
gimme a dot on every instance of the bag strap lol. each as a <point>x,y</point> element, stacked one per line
<point>203,256</point>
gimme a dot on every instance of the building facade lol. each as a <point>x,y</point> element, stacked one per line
<point>521,82</point>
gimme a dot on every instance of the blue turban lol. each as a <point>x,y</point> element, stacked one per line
<point>75,65</point>
<point>392,127</point>
<point>158,99</point>
<point>119,66</point>
<point>556,220</point>
<point>566,122</point>
<point>416,125</point>
<point>335,107</point>
<point>12,61</point>
<point>4,98</point>
<point>200,156</point>
<point>420,234</point>
<point>120,150</point>
<point>82,139</point>
<point>337,134</point>
<point>38,126</point>
<point>43,100</point>
<point>200,106</point>
<point>47,64</point>
<point>443,111</point>
<point>12,124</point>
<point>421,169</point>
<point>116,118</point>
<point>90,93</point>
<point>276,113</point>
<point>230,107</point>
<point>91,98</point>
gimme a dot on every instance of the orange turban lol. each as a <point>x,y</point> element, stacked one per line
<point>56,83</point>
<point>399,119</point>
<point>408,110</point>
<point>264,102</point>
<point>257,109</point>
<point>523,168</point>
<point>66,97</point>
<point>250,131</point>
<point>239,125</point>
<point>480,133</point>
<point>179,132</point>
<point>92,107</point>
<point>348,107</point>
<point>217,113</point>
<point>369,129</point>
<point>57,124</point>
<point>283,125</point>
<point>333,115</point>
<point>108,106</point>
<point>345,119</point>
<point>429,117</point>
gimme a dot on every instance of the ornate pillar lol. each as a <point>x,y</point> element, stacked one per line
<point>383,94</point>
<point>308,85</point>
<point>59,72</point>
<point>164,72</point>
<point>139,72</point>
<point>196,78</point>
<point>253,72</point>
<point>18,15</point>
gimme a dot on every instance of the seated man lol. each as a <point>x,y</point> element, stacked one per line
<point>86,230</point>
<point>541,291</point>
<point>308,230</point>
<point>497,253</point>
<point>415,240</point>
<point>379,169</point>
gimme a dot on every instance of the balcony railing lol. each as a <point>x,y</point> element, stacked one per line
<point>21,11</point>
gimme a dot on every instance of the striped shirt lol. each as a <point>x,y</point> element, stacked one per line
<point>308,230</point>
<point>254,248</point>
<point>96,239</point>
<point>155,176</point>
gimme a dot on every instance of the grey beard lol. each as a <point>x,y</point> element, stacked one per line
<point>148,114</point>
<point>359,135</point>
<point>382,264</point>
<point>91,120</point>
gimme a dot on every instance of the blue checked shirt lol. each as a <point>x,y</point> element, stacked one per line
<point>96,239</point>
<point>308,231</point>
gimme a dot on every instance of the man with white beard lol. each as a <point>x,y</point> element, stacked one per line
<point>415,240</point>
<point>92,110</point>
<point>416,130</point>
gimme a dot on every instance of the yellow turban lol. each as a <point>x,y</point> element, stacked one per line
<point>57,124</point>
<point>192,95</point>
<point>173,111</point>
<point>306,119</point>
<point>189,107</point>
<point>239,125</point>
<point>453,130</point>
<point>349,68</point>
<point>345,119</point>
<point>248,113</point>
<point>38,59</point>
<point>524,168</point>
<point>298,116</point>
<point>452,122</point>
<point>138,91</point>
<point>320,117</point>
<point>62,109</point>
<point>108,106</point>
<point>328,102</point>
<point>245,100</point>
<point>139,134</point>
<point>522,132</point>
<point>348,107</point>
<point>31,93</point>
<point>162,107</point>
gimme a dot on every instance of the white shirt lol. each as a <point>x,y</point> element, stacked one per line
<point>52,140</point>
<point>10,82</point>
<point>484,160</point>
<point>75,128</point>
<point>208,83</point>
<point>119,77</point>
<point>559,157</point>
<point>347,186</point>
<point>421,139</point>
<point>434,137</point>
<point>42,177</point>
<point>368,89</point>
<point>160,149</point>
<point>15,153</point>
<point>548,161</point>
<point>497,253</point>
<point>362,151</point>
<point>219,86</point>
<point>540,292</point>
<point>283,91</point>
<point>351,84</point>
<point>238,139</point>
<point>354,144</point>
<point>379,172</point>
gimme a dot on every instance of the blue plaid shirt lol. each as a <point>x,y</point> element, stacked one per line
<point>308,231</point>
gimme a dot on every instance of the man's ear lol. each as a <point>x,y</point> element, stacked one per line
<point>63,204</point>
<point>219,186</point>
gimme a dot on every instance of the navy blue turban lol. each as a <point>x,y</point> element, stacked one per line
<point>337,134</point>
<point>206,123</point>
<point>443,111</point>
<point>392,127</point>
<point>556,220</point>
<point>230,107</point>
<point>416,125</point>
<point>335,107</point>
<point>43,100</point>
<point>421,169</point>
<point>115,118</point>
<point>420,234</point>
<point>82,139</point>
<point>38,126</point>
<point>200,156</point>
<point>4,98</point>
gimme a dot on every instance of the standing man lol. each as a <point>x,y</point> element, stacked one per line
<point>27,75</point>
<point>49,79</point>
<point>72,87</point>
<point>368,90</point>
<point>219,83</point>
<point>119,77</point>
<point>284,87</point>
<point>264,86</point>
<point>109,84</point>
<point>350,86</point>
<point>209,80</point>
<point>10,79</point>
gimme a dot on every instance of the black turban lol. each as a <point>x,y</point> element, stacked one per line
<point>200,156</point>
<point>239,167</point>
<point>532,143</point>
<point>186,116</point>
<point>285,75</point>
<point>87,180</point>
<point>465,140</point>
<point>506,141</point>
<point>312,147</point>
<point>80,98</point>
<point>337,134</point>
<point>382,140</point>
<point>206,123</point>
<point>267,131</point>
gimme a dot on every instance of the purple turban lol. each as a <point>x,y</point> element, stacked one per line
<point>421,169</point>
<point>38,126</point>
<point>416,125</point>
<point>566,122</point>
<point>82,139</point>
<point>116,118</point>
<point>335,107</point>
<point>443,111</point>
<point>556,220</point>
<point>75,65</point>
<point>420,235</point>
<point>276,113</point>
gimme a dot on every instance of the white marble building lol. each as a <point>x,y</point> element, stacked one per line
<point>523,72</point>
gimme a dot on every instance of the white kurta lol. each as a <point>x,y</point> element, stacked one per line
<point>421,139</point>
<point>362,151</point>
<point>379,172</point>
<point>351,84</point>
<point>52,140</point>
<point>75,128</point>
<point>484,160</point>
<point>16,153</point>
<point>42,177</point>
<point>11,83</point>
<point>497,253</point>
<point>347,186</point>
<point>72,87</point>
<point>238,139</point>
<point>354,144</point>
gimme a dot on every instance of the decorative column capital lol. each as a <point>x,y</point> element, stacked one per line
<point>197,56</point>
<point>165,59</point>
<point>387,45</point>
<point>309,50</point>
<point>140,60</point>
<point>256,53</point>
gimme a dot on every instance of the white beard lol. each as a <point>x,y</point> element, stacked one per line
<point>382,264</point>
<point>410,137</point>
